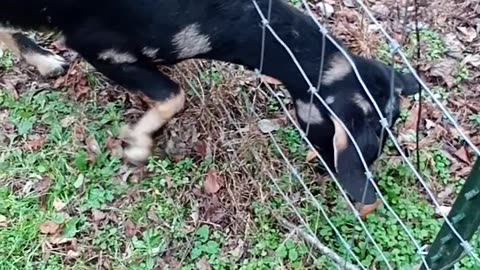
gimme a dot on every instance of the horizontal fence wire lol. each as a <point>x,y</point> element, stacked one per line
<point>396,49</point>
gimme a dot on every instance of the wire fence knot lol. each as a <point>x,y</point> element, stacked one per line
<point>324,31</point>
<point>394,46</point>
<point>467,247</point>
<point>423,251</point>
<point>265,22</point>
<point>369,175</point>
<point>384,122</point>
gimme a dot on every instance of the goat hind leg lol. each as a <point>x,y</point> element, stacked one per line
<point>46,62</point>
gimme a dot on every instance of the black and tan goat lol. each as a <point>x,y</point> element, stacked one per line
<point>126,39</point>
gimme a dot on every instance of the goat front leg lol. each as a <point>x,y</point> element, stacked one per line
<point>140,135</point>
<point>46,62</point>
<point>168,99</point>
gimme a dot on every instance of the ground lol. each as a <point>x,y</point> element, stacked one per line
<point>216,192</point>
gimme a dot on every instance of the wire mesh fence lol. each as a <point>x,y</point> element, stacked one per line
<point>345,253</point>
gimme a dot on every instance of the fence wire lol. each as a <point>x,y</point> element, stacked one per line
<point>396,49</point>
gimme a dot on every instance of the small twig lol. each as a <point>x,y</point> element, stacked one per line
<point>321,247</point>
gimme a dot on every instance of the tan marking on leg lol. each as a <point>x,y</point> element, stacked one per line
<point>140,136</point>
<point>340,141</point>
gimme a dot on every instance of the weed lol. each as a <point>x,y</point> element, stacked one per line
<point>7,60</point>
<point>432,47</point>
<point>475,119</point>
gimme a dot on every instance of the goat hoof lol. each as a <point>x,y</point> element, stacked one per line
<point>138,148</point>
<point>367,209</point>
<point>50,65</point>
<point>137,155</point>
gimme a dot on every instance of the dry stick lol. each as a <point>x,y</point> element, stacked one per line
<point>321,247</point>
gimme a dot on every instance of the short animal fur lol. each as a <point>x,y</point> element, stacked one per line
<point>126,39</point>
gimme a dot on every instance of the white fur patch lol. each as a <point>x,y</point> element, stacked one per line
<point>9,29</point>
<point>117,57</point>
<point>46,64</point>
<point>339,67</point>
<point>189,42</point>
<point>362,103</point>
<point>309,114</point>
<point>150,52</point>
<point>330,99</point>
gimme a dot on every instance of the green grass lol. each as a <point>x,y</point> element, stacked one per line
<point>431,44</point>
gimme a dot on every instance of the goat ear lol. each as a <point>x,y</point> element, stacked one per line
<point>349,167</point>
<point>410,85</point>
<point>340,141</point>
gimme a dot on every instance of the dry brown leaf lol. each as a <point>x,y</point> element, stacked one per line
<point>380,10</point>
<point>472,59</point>
<point>130,228</point>
<point>429,124</point>
<point>43,185</point>
<point>203,264</point>
<point>59,45</point>
<point>270,80</point>
<point>82,89</point>
<point>349,3</point>
<point>59,82</point>
<point>67,121</point>
<point>37,143</point>
<point>58,204</point>
<point>79,133</point>
<point>239,250</point>
<point>49,228</point>
<point>213,210</point>
<point>201,148</point>
<point>92,145</point>
<point>98,215</point>
<point>10,82</point>
<point>468,34</point>
<point>445,69</point>
<point>462,154</point>
<point>411,122</point>
<point>267,126</point>
<point>169,181</point>
<point>213,182</point>
<point>311,155</point>
<point>445,194</point>
<point>71,254</point>
<point>455,47</point>
<point>152,215</point>
<point>115,146</point>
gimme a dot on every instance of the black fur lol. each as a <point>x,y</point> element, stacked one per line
<point>234,33</point>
